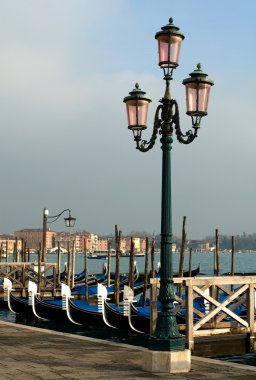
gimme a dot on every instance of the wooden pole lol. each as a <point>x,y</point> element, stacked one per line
<point>153,258</point>
<point>73,264</point>
<point>39,268</point>
<point>1,252</point>
<point>131,266</point>
<point>232,259</point>
<point>22,250</point>
<point>145,274</point>
<point>13,252</point>
<point>69,265</point>
<point>86,271</point>
<point>109,264</point>
<point>28,254</point>
<point>233,256</point>
<point>117,274</point>
<point>17,250</point>
<point>44,247</point>
<point>14,256</point>
<point>7,251</point>
<point>59,262</point>
<point>217,252</point>
<point>23,279</point>
<point>182,249</point>
<point>190,262</point>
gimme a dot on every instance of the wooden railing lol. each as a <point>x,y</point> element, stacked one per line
<point>221,296</point>
<point>20,273</point>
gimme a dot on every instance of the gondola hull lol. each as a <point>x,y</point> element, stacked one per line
<point>85,314</point>
<point>20,305</point>
<point>50,309</point>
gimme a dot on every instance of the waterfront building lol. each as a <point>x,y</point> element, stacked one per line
<point>126,244</point>
<point>204,247</point>
<point>79,239</point>
<point>7,243</point>
<point>102,244</point>
<point>34,237</point>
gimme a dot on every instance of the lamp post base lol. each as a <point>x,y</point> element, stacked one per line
<point>166,362</point>
<point>175,344</point>
<point>166,336</point>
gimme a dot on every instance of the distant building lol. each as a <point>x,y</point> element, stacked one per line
<point>126,244</point>
<point>199,245</point>
<point>34,238</point>
<point>7,243</point>
<point>204,247</point>
<point>102,244</point>
<point>81,240</point>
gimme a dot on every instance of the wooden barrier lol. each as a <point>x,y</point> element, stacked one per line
<point>219,316</point>
<point>21,272</point>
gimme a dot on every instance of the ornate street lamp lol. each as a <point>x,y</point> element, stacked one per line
<point>166,123</point>
<point>69,222</point>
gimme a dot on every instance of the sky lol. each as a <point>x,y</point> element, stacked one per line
<point>65,67</point>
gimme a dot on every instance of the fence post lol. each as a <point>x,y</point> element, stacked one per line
<point>153,304</point>
<point>250,316</point>
<point>189,314</point>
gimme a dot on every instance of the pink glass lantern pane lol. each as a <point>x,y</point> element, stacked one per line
<point>137,112</point>
<point>200,90</point>
<point>169,55</point>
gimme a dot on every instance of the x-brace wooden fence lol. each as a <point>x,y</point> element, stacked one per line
<point>227,306</point>
<point>20,273</point>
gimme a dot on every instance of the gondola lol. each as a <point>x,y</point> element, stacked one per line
<point>19,305</point>
<point>81,312</point>
<point>80,289</point>
<point>64,309</point>
<point>50,308</point>
<point>136,317</point>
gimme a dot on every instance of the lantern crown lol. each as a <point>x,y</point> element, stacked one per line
<point>136,93</point>
<point>198,76</point>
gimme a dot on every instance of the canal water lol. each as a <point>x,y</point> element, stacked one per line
<point>244,262</point>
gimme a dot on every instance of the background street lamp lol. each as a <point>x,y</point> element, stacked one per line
<point>166,123</point>
<point>69,222</point>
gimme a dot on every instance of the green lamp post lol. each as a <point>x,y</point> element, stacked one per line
<point>167,123</point>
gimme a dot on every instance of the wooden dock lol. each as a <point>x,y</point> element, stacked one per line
<point>217,332</point>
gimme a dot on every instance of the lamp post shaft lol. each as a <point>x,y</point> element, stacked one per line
<point>166,336</point>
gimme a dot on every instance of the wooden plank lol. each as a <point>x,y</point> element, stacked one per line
<point>189,318</point>
<point>250,315</point>
<point>223,331</point>
<point>228,280</point>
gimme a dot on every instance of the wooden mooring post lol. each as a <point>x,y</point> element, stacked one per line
<point>59,262</point>
<point>118,235</point>
<point>131,266</point>
<point>86,271</point>
<point>109,264</point>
